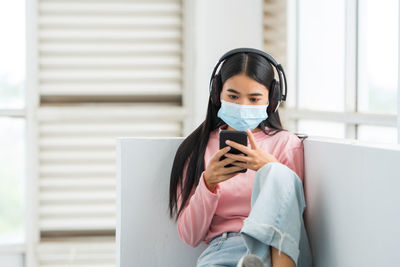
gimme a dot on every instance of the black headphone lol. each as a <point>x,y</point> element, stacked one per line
<point>276,95</point>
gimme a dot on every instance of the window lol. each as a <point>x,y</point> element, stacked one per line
<point>346,68</point>
<point>378,56</point>
<point>12,121</point>
<point>321,55</point>
<point>377,66</point>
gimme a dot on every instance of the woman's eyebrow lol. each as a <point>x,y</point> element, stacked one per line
<point>233,91</point>
<point>255,94</point>
<point>236,92</point>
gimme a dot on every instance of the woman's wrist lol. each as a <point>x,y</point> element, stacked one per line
<point>209,186</point>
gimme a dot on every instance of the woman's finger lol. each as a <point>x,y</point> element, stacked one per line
<point>239,147</point>
<point>243,165</point>
<point>237,157</point>
<point>220,153</point>
<point>231,170</point>
<point>224,162</point>
<point>253,143</point>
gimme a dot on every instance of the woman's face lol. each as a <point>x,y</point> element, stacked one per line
<point>242,90</point>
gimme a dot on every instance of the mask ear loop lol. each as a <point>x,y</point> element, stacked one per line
<point>277,106</point>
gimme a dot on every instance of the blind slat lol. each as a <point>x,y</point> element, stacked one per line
<point>105,35</point>
<point>76,183</point>
<point>109,7</point>
<point>117,48</point>
<point>70,21</point>
<point>114,62</point>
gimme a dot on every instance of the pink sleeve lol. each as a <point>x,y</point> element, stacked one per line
<point>194,221</point>
<point>294,159</point>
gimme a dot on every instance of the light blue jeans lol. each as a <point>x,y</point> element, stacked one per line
<point>275,219</point>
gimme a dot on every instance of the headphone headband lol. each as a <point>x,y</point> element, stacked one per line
<point>269,58</point>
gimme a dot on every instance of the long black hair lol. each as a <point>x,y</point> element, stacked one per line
<point>192,149</point>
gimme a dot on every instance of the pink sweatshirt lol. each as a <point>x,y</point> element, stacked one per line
<point>208,214</point>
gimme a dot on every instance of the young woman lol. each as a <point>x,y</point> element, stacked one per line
<point>253,218</point>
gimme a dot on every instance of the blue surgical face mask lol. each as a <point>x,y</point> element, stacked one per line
<point>242,117</point>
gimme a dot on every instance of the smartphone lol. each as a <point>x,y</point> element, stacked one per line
<point>236,136</point>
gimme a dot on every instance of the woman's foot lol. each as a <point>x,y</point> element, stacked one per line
<point>250,260</point>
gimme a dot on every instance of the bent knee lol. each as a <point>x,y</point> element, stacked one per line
<point>278,177</point>
<point>277,168</point>
<point>279,173</point>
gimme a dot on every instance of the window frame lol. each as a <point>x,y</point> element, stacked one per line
<point>350,117</point>
<point>16,248</point>
<point>12,249</point>
<point>32,103</point>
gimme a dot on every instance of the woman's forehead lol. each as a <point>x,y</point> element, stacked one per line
<point>243,84</point>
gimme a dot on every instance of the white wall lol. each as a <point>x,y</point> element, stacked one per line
<point>398,88</point>
<point>211,30</point>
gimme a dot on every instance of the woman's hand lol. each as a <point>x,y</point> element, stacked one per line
<point>216,172</point>
<point>256,157</point>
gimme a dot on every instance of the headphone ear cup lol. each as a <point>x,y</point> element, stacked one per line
<point>215,90</point>
<point>274,96</point>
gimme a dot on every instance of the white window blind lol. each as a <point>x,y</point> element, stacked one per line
<point>105,69</point>
<point>275,29</point>
<point>274,35</point>
<point>109,47</point>
<point>77,252</point>
<point>77,159</point>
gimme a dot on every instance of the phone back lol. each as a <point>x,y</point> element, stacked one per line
<point>236,136</point>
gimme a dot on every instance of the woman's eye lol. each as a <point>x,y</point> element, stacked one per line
<point>253,100</point>
<point>232,96</point>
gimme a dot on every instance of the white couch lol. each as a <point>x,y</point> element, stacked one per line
<point>352,214</point>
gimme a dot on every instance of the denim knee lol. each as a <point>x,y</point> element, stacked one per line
<point>281,171</point>
<point>281,177</point>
